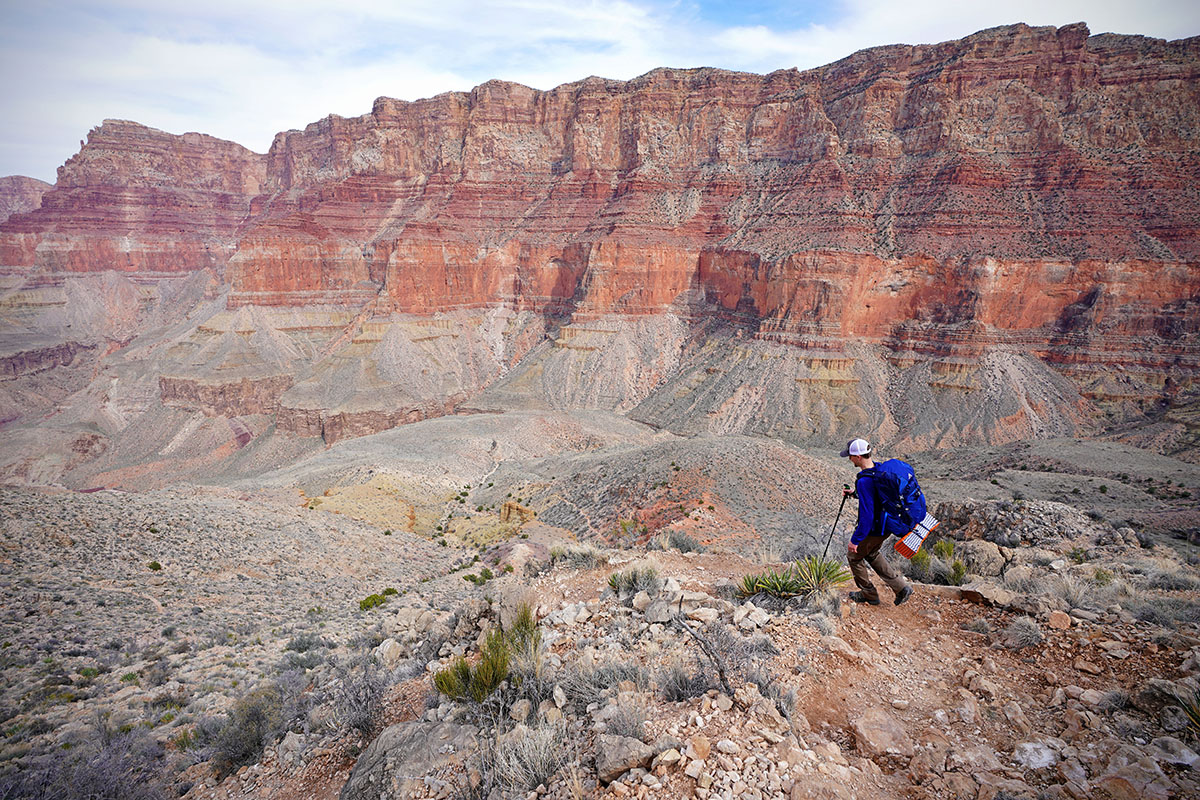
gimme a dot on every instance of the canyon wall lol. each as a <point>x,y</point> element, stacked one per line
<point>989,238</point>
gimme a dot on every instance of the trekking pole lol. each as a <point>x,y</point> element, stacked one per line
<point>835,522</point>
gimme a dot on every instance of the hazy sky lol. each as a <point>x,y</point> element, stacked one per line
<point>244,69</point>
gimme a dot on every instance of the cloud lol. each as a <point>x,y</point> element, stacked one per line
<point>245,70</point>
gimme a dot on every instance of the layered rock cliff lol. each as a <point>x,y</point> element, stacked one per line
<point>990,238</point>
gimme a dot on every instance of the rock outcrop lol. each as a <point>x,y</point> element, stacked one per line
<point>136,199</point>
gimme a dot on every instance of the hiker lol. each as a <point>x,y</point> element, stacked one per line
<point>875,524</point>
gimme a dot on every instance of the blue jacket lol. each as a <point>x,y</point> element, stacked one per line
<point>869,511</point>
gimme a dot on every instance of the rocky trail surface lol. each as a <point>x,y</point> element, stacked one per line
<point>253,661</point>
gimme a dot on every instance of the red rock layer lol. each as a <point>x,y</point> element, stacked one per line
<point>138,199</point>
<point>1021,186</point>
<point>19,194</point>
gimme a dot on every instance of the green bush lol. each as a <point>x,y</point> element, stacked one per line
<point>944,549</point>
<point>1078,554</point>
<point>154,566</point>
<point>958,571</point>
<point>1102,577</point>
<point>371,601</point>
<point>389,591</point>
<point>463,681</point>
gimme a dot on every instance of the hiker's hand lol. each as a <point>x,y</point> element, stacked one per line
<point>847,491</point>
<point>853,548</point>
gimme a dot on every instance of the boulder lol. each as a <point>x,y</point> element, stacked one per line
<point>1034,755</point>
<point>988,594</point>
<point>981,557</point>
<point>878,733</point>
<point>395,763</point>
<point>1134,776</point>
<point>389,654</point>
<point>616,755</point>
<point>1173,751</point>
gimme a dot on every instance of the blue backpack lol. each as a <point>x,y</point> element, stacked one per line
<point>897,493</point>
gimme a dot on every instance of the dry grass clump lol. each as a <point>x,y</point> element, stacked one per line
<point>584,685</point>
<point>579,556</point>
<point>521,763</point>
<point>679,681</point>
<point>1022,632</point>
<point>635,579</point>
<point>630,721</point>
<point>675,540</point>
<point>1176,580</point>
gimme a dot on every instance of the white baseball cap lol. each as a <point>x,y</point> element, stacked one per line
<point>857,447</point>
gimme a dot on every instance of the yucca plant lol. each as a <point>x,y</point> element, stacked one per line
<point>816,574</point>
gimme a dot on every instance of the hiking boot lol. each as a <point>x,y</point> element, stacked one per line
<point>859,597</point>
<point>903,594</point>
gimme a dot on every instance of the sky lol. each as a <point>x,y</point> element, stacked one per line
<point>245,69</point>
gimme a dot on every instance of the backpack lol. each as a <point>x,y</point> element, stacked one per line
<point>898,493</point>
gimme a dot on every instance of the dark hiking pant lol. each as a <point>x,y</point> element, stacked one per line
<point>871,552</point>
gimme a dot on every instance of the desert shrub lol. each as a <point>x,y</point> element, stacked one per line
<point>114,765</point>
<point>523,762</point>
<point>978,625</point>
<point>634,580</point>
<point>154,566</point>
<point>958,572</point>
<point>1173,581</point>
<point>676,682</point>
<point>358,696</point>
<point>305,642</point>
<point>944,549</point>
<point>302,661</point>
<point>258,719</point>
<point>1022,632</point>
<point>463,681</point>
<point>371,601</point>
<point>920,567</point>
<point>1078,554</point>
<point>1102,577</point>
<point>821,623</point>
